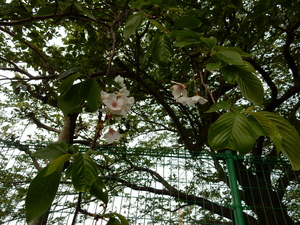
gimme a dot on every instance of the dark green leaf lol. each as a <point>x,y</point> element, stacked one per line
<point>185,35</point>
<point>231,131</point>
<point>187,22</point>
<point>91,88</point>
<point>41,193</point>
<point>114,221</point>
<point>45,11</point>
<point>72,71</point>
<point>230,73</point>
<point>123,220</point>
<point>97,189</point>
<point>84,172</point>
<point>68,82</point>
<point>71,99</point>
<point>161,49</point>
<point>52,151</point>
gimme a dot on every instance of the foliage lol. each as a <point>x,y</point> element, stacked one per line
<point>236,62</point>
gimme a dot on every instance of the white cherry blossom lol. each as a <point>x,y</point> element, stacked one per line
<point>112,135</point>
<point>113,102</point>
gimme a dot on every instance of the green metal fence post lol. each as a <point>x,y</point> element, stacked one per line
<point>236,200</point>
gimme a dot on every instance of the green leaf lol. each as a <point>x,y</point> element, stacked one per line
<point>52,151</point>
<point>68,82</point>
<point>132,24</point>
<point>231,131</point>
<point>230,57</point>
<point>185,35</point>
<point>218,106</point>
<point>84,172</point>
<point>56,163</point>
<point>158,25</point>
<point>187,22</point>
<point>230,73</point>
<point>270,129</point>
<point>45,11</point>
<point>114,221</point>
<point>92,90</point>
<point>209,42</point>
<point>71,99</point>
<point>84,10</point>
<point>80,70</point>
<point>97,189</point>
<point>250,86</point>
<point>213,66</point>
<point>290,138</point>
<point>161,49</point>
<point>123,220</point>
<point>41,193</point>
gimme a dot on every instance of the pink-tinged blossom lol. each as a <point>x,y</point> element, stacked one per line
<point>113,102</point>
<point>178,90</point>
<point>112,135</point>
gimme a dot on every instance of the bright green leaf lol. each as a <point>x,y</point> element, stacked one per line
<point>41,193</point>
<point>250,86</point>
<point>290,138</point>
<point>132,24</point>
<point>84,172</point>
<point>52,151</point>
<point>231,131</point>
<point>56,163</point>
<point>230,57</point>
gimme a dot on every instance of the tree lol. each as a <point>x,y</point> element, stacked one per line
<point>239,59</point>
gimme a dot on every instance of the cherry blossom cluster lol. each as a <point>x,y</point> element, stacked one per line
<point>181,95</point>
<point>116,106</point>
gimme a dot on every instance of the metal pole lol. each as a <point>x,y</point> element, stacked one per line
<point>236,200</point>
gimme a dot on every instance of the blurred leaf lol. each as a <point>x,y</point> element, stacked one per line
<point>230,73</point>
<point>80,70</point>
<point>209,42</point>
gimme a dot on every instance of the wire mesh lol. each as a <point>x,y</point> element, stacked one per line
<point>159,186</point>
